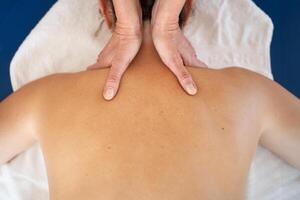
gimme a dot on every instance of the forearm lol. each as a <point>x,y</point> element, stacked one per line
<point>167,11</point>
<point>128,13</point>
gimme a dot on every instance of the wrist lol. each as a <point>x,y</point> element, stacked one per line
<point>128,13</point>
<point>128,29</point>
<point>166,14</point>
<point>164,26</point>
<point>130,21</point>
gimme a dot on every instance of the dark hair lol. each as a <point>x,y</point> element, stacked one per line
<point>107,10</point>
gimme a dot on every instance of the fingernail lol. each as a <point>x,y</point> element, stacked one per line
<point>109,94</point>
<point>191,89</point>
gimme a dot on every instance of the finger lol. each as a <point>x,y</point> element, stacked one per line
<point>189,55</point>
<point>184,77</point>
<point>105,58</point>
<point>192,60</point>
<point>186,80</point>
<point>96,66</point>
<point>106,55</point>
<point>113,80</point>
<point>199,63</point>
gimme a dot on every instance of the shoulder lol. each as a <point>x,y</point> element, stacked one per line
<point>51,83</point>
<point>249,89</point>
<point>244,79</point>
<point>258,83</point>
<point>30,96</point>
<point>244,75</point>
<point>269,97</point>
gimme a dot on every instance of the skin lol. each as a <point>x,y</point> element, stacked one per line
<point>123,45</point>
<point>152,141</point>
<point>172,46</point>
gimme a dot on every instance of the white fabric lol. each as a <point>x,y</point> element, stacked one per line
<point>224,33</point>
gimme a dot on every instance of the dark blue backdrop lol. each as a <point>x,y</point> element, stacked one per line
<point>18,17</point>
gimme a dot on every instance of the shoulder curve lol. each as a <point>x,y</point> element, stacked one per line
<point>243,75</point>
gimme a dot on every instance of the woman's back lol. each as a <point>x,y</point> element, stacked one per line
<point>153,141</point>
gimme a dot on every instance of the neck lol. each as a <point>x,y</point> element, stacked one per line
<point>147,50</point>
<point>147,36</point>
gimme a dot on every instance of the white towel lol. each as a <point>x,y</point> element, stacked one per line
<point>223,32</point>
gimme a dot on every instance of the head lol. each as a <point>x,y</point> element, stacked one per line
<point>107,10</point>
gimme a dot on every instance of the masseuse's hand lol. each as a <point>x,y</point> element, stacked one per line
<point>122,46</point>
<point>173,47</point>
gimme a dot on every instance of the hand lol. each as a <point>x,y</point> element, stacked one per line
<point>172,46</point>
<point>123,45</point>
<point>118,53</point>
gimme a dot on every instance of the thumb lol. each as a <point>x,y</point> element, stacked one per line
<point>113,80</point>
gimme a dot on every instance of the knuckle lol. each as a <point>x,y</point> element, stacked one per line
<point>184,75</point>
<point>176,62</point>
<point>114,78</point>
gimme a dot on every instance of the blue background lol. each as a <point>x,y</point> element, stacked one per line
<point>18,17</point>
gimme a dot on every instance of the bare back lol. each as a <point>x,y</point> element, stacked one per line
<point>152,141</point>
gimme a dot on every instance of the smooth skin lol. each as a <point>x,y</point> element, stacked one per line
<point>172,46</point>
<point>153,141</point>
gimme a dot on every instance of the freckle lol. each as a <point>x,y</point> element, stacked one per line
<point>223,128</point>
<point>108,148</point>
